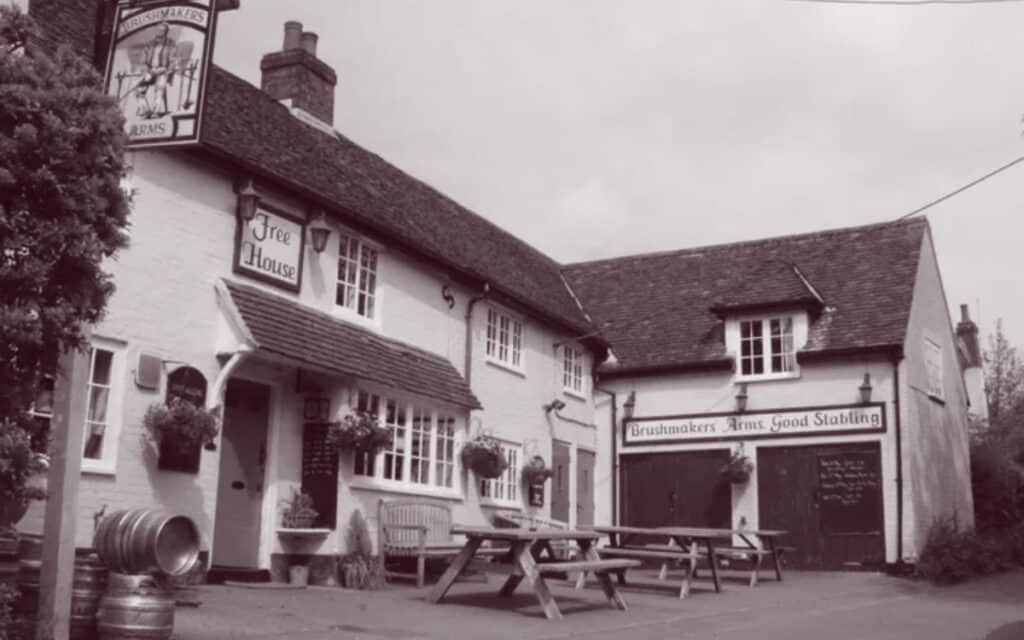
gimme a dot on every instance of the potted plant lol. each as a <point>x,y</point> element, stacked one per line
<point>738,469</point>
<point>18,463</point>
<point>181,424</point>
<point>483,456</point>
<point>298,511</point>
<point>359,570</point>
<point>536,471</point>
<point>359,431</point>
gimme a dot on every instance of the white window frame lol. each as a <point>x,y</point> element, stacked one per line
<point>352,312</point>
<point>107,462</point>
<point>933,369</point>
<point>507,489</point>
<point>574,376</point>
<point>505,340</point>
<point>405,410</point>
<point>733,339</point>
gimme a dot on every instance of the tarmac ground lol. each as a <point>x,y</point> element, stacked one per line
<point>831,606</point>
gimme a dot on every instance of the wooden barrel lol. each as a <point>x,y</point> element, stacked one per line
<point>9,559</point>
<point>135,607</point>
<point>88,586</point>
<point>29,564</point>
<point>146,540</point>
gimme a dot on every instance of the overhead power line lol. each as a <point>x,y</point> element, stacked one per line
<point>905,2</point>
<point>961,189</point>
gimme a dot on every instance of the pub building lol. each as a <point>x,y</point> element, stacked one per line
<point>827,360</point>
<point>285,277</point>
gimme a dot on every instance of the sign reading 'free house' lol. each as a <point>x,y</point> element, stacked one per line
<point>270,247</point>
<point>778,423</point>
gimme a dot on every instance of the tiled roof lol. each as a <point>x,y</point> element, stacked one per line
<point>249,127</point>
<point>286,328</point>
<point>765,286</point>
<point>655,309</point>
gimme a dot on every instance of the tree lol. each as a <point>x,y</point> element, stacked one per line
<point>1004,382</point>
<point>62,212</point>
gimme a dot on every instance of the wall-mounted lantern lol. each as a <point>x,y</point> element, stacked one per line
<point>319,232</point>
<point>248,200</point>
<point>741,398</point>
<point>865,389</point>
<point>629,405</point>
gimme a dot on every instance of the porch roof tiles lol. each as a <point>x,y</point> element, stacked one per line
<point>286,328</point>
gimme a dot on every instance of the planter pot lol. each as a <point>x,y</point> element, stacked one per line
<point>11,512</point>
<point>300,523</point>
<point>298,575</point>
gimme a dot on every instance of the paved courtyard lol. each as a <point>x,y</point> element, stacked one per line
<point>832,606</point>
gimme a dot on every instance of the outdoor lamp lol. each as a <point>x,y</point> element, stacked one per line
<point>247,201</point>
<point>865,389</point>
<point>629,405</point>
<point>319,232</point>
<point>554,405</point>
<point>741,398</point>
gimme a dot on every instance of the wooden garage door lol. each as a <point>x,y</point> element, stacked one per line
<point>678,488</point>
<point>829,499</point>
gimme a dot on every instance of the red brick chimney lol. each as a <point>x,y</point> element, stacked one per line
<point>967,333</point>
<point>296,74</point>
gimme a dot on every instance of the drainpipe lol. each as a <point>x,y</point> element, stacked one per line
<point>899,461</point>
<point>615,454</point>
<point>468,369</point>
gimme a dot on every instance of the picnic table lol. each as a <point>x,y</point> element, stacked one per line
<point>683,544</point>
<point>526,549</point>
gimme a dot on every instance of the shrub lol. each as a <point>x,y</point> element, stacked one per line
<point>997,483</point>
<point>950,554</point>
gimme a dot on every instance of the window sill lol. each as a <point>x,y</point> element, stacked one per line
<point>503,504</point>
<point>347,315</point>
<point>768,377</point>
<point>519,371</point>
<point>572,393</point>
<point>362,483</point>
<point>98,468</point>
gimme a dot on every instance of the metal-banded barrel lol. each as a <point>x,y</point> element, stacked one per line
<point>88,586</point>
<point>135,607</point>
<point>30,552</point>
<point>147,540</point>
<point>9,559</point>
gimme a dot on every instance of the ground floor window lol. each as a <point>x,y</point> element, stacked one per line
<point>505,488</point>
<point>422,453</point>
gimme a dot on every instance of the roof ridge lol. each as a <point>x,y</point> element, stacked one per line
<point>824,233</point>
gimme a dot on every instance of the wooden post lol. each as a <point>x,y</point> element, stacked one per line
<point>58,559</point>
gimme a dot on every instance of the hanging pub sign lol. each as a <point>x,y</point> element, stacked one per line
<point>157,66</point>
<point>269,247</point>
<point>777,423</point>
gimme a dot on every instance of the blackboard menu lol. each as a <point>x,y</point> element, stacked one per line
<point>320,473</point>
<point>850,492</point>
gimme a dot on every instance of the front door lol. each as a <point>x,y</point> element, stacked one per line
<point>560,466</point>
<point>829,500</point>
<point>240,486</point>
<point>584,487</point>
<point>683,488</point>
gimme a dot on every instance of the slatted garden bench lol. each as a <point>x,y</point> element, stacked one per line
<point>417,529</point>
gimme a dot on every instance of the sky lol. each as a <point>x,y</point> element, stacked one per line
<point>597,128</point>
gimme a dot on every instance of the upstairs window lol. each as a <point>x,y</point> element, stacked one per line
<point>572,370</point>
<point>504,339</point>
<point>767,347</point>
<point>933,368</point>
<point>357,277</point>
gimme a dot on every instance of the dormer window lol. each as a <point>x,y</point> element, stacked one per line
<point>765,346</point>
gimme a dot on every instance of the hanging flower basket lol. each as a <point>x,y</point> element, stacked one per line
<point>738,469</point>
<point>536,471</point>
<point>482,455</point>
<point>181,424</point>
<point>359,431</point>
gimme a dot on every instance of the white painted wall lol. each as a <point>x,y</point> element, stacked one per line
<point>182,238</point>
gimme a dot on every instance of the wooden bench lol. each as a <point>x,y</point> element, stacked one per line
<point>687,558</point>
<point>597,566</point>
<point>417,529</point>
<point>755,555</point>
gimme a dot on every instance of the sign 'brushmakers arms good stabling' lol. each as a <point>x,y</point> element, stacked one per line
<point>777,423</point>
<point>156,68</point>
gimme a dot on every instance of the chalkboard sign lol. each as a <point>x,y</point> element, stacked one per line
<point>320,473</point>
<point>188,384</point>
<point>850,492</point>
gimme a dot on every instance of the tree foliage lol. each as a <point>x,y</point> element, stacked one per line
<point>62,208</point>
<point>1004,382</point>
